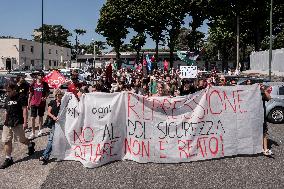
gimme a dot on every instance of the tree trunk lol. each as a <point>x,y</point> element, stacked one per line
<point>157,54</point>
<point>137,57</point>
<point>118,58</point>
<point>171,55</point>
<point>257,38</point>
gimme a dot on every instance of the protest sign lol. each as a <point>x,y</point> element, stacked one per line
<point>212,123</point>
<point>55,79</point>
<point>188,71</point>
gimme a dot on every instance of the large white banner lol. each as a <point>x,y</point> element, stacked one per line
<point>213,123</point>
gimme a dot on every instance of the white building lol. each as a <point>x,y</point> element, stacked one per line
<point>21,54</point>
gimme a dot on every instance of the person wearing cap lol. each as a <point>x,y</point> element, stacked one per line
<point>39,91</point>
<point>75,85</point>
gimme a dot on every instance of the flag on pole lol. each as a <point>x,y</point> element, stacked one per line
<point>188,57</point>
<point>149,63</point>
<point>166,65</point>
<point>153,59</point>
<point>54,79</point>
<point>144,62</point>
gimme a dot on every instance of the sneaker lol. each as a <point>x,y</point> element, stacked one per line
<point>44,161</point>
<point>40,132</point>
<point>32,136</point>
<point>267,152</point>
<point>7,163</point>
<point>31,148</point>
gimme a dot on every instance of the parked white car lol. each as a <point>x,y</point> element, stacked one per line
<point>275,106</point>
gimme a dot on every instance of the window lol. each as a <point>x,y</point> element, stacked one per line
<point>32,63</point>
<point>49,52</point>
<point>67,53</point>
<point>49,62</point>
<point>23,47</point>
<point>32,49</point>
<point>56,52</point>
<point>54,63</point>
<point>281,90</point>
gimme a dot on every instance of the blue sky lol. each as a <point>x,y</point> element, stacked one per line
<point>18,18</point>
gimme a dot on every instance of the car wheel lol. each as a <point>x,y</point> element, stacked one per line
<point>276,115</point>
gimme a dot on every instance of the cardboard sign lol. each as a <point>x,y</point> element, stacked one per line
<point>188,71</point>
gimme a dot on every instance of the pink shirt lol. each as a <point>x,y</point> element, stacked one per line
<point>37,94</point>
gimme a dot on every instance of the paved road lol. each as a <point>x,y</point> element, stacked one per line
<point>255,171</point>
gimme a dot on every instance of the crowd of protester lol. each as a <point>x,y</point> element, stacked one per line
<point>23,97</point>
<point>155,83</point>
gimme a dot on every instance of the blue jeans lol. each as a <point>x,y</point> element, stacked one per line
<point>48,148</point>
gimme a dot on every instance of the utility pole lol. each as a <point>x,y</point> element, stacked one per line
<point>94,53</point>
<point>42,58</point>
<point>270,42</point>
<point>238,42</point>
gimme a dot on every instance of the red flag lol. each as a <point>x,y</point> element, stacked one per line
<point>153,59</point>
<point>138,67</point>
<point>166,65</point>
<point>144,62</point>
<point>54,79</point>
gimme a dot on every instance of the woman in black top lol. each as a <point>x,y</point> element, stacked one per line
<point>52,113</point>
<point>23,91</point>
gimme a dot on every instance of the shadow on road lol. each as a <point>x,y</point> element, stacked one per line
<point>36,155</point>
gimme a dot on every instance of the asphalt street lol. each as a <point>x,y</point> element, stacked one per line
<point>255,171</point>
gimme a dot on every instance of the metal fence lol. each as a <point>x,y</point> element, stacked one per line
<point>260,60</point>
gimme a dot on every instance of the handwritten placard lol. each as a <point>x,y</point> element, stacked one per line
<point>188,71</point>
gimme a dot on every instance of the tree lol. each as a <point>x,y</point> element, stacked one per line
<point>138,42</point>
<point>153,14</point>
<point>6,37</point>
<point>89,49</point>
<point>198,10</point>
<point>175,15</point>
<point>53,34</point>
<point>138,24</point>
<point>113,23</point>
<point>78,32</point>
<point>220,39</point>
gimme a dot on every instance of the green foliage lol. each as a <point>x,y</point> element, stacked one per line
<point>113,23</point>
<point>54,34</point>
<point>6,37</point>
<point>80,31</point>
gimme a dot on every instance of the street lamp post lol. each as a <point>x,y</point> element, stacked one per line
<point>238,42</point>
<point>270,42</point>
<point>94,62</point>
<point>42,58</point>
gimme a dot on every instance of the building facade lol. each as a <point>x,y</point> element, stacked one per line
<point>22,54</point>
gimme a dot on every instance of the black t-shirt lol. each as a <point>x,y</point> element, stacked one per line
<point>54,108</point>
<point>13,106</point>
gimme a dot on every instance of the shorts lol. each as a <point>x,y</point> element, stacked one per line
<point>17,133</point>
<point>37,111</point>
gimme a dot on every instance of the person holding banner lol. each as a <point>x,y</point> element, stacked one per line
<point>39,91</point>
<point>265,97</point>
<point>52,113</point>
<point>161,90</point>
